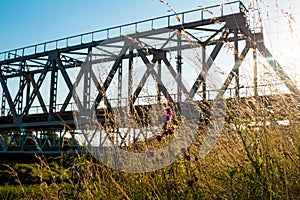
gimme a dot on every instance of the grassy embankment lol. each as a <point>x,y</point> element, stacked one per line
<point>248,162</point>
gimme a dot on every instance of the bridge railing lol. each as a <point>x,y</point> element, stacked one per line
<point>131,28</point>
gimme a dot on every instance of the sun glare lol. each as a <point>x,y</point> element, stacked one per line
<point>281,34</point>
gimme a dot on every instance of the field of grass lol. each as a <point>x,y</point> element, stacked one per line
<point>249,162</point>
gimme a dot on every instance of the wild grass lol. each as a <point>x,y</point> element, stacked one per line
<point>249,162</point>
<point>256,157</point>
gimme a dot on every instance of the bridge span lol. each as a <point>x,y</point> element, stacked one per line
<point>38,82</point>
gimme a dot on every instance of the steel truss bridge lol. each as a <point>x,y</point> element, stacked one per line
<point>37,82</point>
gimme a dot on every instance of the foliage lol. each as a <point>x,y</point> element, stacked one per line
<point>249,162</point>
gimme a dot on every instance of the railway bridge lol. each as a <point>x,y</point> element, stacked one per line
<point>136,65</point>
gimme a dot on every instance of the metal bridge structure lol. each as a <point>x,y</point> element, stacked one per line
<point>38,82</point>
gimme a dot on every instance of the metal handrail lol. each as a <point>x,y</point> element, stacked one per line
<point>116,31</point>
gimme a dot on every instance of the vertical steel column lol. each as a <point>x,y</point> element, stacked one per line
<point>130,84</point>
<point>87,81</point>
<point>159,77</point>
<point>179,67</point>
<point>28,87</point>
<point>53,89</point>
<point>119,100</point>
<point>3,99</point>
<point>22,79</point>
<point>87,84</point>
<point>130,76</point>
<point>204,69</point>
<point>120,85</point>
<point>237,60</point>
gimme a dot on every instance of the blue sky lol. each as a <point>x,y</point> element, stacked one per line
<point>27,22</point>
